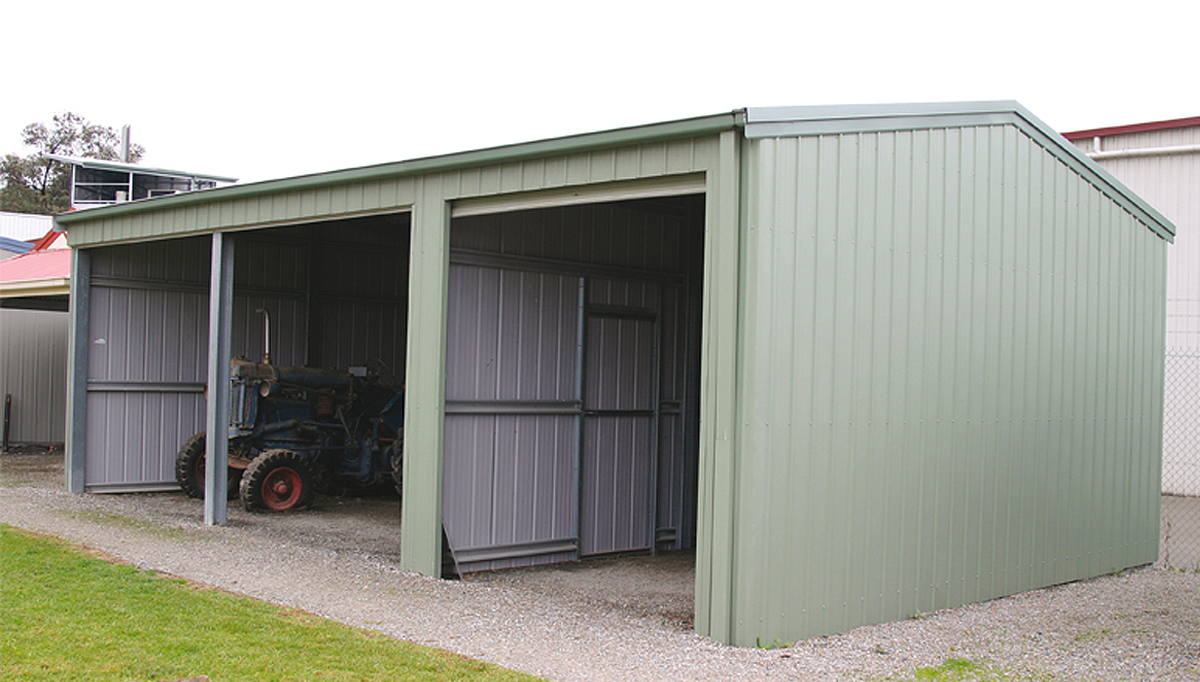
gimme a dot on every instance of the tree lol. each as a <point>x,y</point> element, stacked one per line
<point>35,184</point>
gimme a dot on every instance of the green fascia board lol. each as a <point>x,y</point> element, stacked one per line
<point>693,127</point>
<point>865,118</point>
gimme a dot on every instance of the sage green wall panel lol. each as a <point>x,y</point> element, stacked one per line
<point>950,352</point>
<point>718,465</point>
<point>257,207</point>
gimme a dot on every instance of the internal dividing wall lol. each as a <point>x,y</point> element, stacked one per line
<point>572,372</point>
<point>336,293</point>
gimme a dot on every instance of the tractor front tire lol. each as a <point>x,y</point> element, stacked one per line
<point>190,467</point>
<point>277,481</point>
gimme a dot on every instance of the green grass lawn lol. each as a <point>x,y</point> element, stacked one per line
<point>65,615</point>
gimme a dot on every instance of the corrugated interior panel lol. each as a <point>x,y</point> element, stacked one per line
<point>360,295</point>
<point>618,449</point>
<point>271,273</point>
<point>33,370</point>
<point>493,307</point>
<point>512,336</point>
<point>147,359</point>
<point>969,331</point>
<point>614,509</point>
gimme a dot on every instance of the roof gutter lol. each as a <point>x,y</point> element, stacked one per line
<point>693,127</point>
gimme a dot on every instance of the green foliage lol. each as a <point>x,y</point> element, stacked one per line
<point>965,670</point>
<point>777,644</point>
<point>33,184</point>
<point>65,615</point>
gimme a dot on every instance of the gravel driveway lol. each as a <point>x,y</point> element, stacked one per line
<point>600,620</point>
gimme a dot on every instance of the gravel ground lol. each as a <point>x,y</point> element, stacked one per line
<point>627,619</point>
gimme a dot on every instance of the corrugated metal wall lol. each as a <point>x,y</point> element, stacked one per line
<point>1171,182</point>
<point>33,370</point>
<point>973,337</point>
<point>146,360</point>
<point>553,380</point>
<point>149,329</point>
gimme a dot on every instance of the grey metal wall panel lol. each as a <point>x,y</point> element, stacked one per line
<point>621,371</point>
<point>615,490</point>
<point>512,339</point>
<point>518,329</point>
<point>619,450</point>
<point>972,335</point>
<point>33,366</point>
<point>146,428</point>
<point>147,336</point>
<point>516,473</point>
<point>148,326</point>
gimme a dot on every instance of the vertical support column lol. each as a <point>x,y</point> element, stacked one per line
<point>77,370</point>
<point>220,315</point>
<point>425,399</point>
<point>716,504</point>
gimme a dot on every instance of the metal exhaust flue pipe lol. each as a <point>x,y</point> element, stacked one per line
<point>266,335</point>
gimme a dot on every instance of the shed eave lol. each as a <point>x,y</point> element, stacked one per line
<point>694,127</point>
<point>55,286</point>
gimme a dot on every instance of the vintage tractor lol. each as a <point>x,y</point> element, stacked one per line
<point>296,430</point>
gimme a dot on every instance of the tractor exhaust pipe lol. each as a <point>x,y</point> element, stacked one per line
<point>266,335</point>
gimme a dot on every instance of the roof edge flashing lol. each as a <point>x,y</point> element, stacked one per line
<point>820,120</point>
<point>770,122</point>
<point>679,129</point>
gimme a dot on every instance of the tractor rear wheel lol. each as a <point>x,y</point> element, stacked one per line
<point>190,468</point>
<point>276,481</point>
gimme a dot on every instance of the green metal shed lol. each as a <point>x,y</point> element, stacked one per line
<point>926,367</point>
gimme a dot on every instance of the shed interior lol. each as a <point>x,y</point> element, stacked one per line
<point>572,381</point>
<point>572,362</point>
<point>336,293</point>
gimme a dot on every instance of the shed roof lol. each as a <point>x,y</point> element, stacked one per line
<point>37,273</point>
<point>755,122</point>
<point>1134,128</point>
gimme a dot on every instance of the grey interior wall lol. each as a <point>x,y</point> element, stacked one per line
<point>146,355</point>
<point>359,294</point>
<point>33,370</point>
<point>545,459</point>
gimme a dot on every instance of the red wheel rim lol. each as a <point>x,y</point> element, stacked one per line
<point>281,489</point>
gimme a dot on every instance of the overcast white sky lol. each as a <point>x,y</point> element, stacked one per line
<point>259,90</point>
